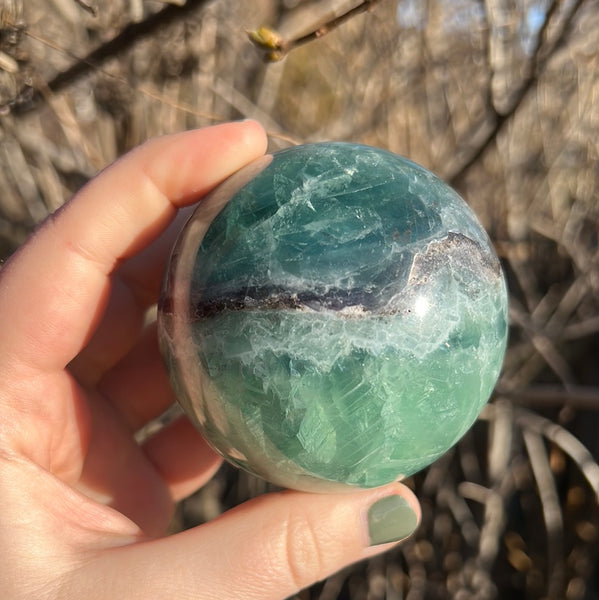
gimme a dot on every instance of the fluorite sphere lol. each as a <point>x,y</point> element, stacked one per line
<point>333,315</point>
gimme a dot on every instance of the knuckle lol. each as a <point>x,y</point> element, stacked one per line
<point>304,550</point>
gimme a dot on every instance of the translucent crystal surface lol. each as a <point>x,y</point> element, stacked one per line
<point>333,315</point>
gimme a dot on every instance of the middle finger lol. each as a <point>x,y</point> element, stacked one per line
<point>138,386</point>
<point>135,287</point>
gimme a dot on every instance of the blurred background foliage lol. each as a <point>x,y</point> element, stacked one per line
<point>499,97</point>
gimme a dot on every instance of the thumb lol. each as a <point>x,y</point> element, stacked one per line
<point>268,548</point>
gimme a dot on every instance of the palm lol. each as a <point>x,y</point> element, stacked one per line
<point>116,470</point>
<point>81,484</point>
<point>84,440</point>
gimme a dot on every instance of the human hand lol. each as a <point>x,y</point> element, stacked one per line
<point>85,508</point>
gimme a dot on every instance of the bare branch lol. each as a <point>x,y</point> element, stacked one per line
<point>128,37</point>
<point>276,47</point>
<point>552,513</point>
<point>579,397</point>
<point>538,63</point>
<point>91,8</point>
<point>566,441</point>
<point>47,93</point>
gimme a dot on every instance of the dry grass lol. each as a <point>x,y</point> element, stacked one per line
<point>512,510</point>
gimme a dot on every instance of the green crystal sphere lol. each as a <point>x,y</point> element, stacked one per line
<point>333,315</point>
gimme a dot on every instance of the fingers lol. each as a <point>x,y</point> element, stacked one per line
<point>266,549</point>
<point>134,287</point>
<point>138,386</point>
<point>55,289</point>
<point>182,458</point>
<point>117,330</point>
<point>143,273</point>
<point>117,472</point>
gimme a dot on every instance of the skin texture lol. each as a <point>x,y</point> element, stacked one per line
<point>84,507</point>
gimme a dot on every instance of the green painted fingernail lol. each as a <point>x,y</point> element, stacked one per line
<point>390,519</point>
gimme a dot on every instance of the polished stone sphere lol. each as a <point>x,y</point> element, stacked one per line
<point>333,315</point>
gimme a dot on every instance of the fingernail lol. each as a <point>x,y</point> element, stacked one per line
<point>390,519</point>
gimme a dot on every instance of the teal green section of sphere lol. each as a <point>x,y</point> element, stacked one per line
<point>341,321</point>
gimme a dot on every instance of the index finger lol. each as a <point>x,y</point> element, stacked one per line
<point>54,289</point>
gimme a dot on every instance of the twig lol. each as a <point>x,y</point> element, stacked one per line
<point>542,343</point>
<point>72,129</point>
<point>462,514</point>
<point>494,500</point>
<point>500,439</point>
<point>276,47</point>
<point>44,90</point>
<point>552,514</point>
<point>8,63</point>
<point>566,441</point>
<point>576,396</point>
<point>494,519</point>
<point>246,107</point>
<point>582,329</point>
<point>92,9</point>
